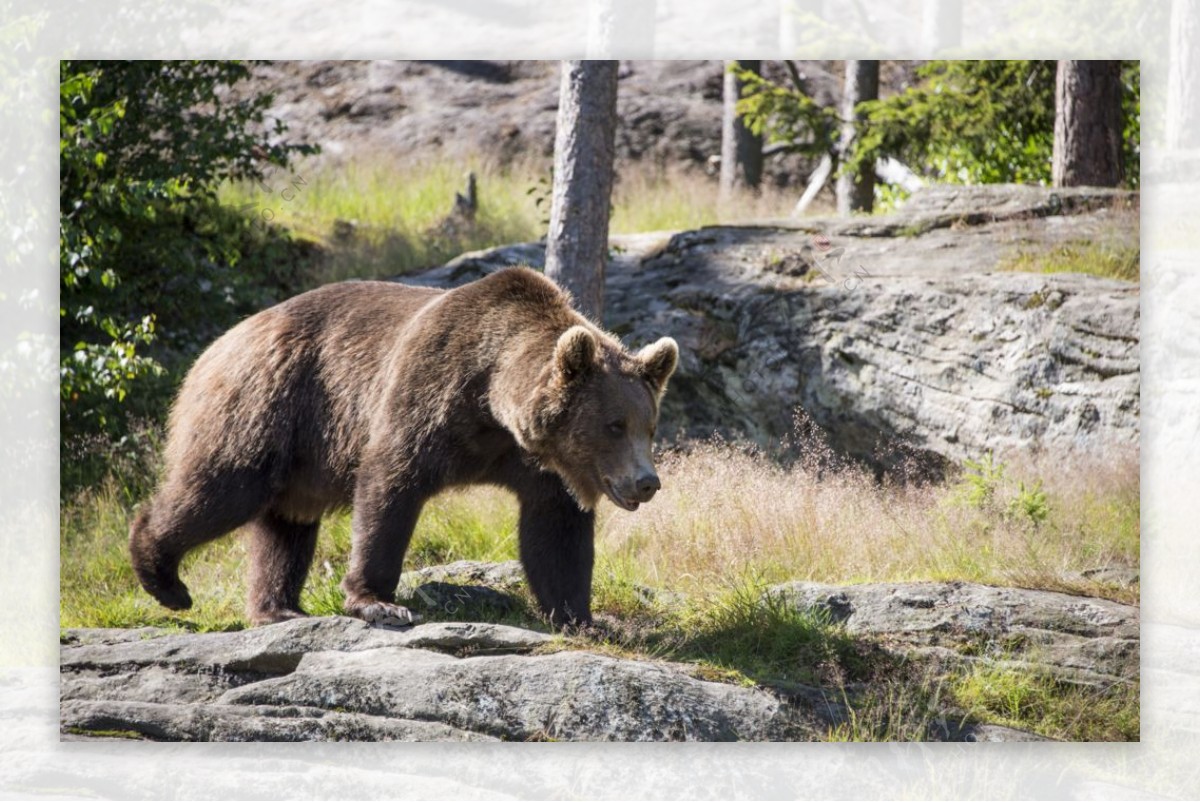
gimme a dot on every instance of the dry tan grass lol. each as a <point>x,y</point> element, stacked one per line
<point>724,512</point>
<point>649,199</point>
<point>727,519</point>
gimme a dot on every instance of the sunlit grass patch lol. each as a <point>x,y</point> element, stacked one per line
<point>650,199</point>
<point>376,218</point>
<point>1041,703</point>
<point>1097,259</point>
<point>98,587</point>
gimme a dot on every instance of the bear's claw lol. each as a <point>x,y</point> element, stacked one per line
<point>385,615</point>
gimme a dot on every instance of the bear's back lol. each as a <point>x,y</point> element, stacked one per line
<point>295,379</point>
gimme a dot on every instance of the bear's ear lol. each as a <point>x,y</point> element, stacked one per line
<point>575,354</point>
<point>658,362</point>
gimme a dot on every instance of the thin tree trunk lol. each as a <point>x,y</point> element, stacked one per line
<point>1183,88</point>
<point>741,150</point>
<point>816,183</point>
<point>856,193</point>
<point>1087,124</point>
<point>577,243</point>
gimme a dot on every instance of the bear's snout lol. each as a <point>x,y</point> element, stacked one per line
<point>647,486</point>
<point>629,492</point>
<point>639,488</point>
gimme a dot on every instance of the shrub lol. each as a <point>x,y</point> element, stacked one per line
<point>147,258</point>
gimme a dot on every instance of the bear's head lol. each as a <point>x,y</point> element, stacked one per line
<point>594,415</point>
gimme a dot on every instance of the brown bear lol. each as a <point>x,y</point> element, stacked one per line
<point>379,395</point>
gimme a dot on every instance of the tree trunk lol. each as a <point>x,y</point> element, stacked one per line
<point>1183,87</point>
<point>577,243</point>
<point>1087,124</point>
<point>741,150</point>
<point>856,193</point>
<point>816,182</point>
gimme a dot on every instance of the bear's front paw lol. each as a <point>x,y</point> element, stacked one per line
<point>383,614</point>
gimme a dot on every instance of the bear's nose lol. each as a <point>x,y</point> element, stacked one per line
<point>648,485</point>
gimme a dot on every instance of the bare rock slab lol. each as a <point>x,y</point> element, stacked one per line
<point>562,696</point>
<point>1083,638</point>
<point>340,679</point>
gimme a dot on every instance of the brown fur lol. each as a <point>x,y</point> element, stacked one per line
<point>379,395</point>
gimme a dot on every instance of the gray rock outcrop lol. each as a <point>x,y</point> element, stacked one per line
<point>669,112</point>
<point>322,679</point>
<point>339,679</point>
<point>899,335</point>
<point>1075,638</point>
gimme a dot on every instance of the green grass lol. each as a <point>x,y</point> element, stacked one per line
<point>98,587</point>
<point>1096,259</point>
<point>1041,703</point>
<point>733,633</point>
<point>377,219</point>
<point>914,703</point>
<point>724,521</point>
<point>908,706</point>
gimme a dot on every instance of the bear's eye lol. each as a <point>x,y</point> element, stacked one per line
<point>616,428</point>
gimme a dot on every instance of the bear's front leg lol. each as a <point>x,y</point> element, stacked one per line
<point>557,549</point>
<point>384,518</point>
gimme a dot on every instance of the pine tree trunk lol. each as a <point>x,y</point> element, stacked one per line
<point>577,243</point>
<point>1183,88</point>
<point>741,150</point>
<point>1087,124</point>
<point>856,193</point>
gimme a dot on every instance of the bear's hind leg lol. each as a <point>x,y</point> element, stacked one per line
<point>185,514</point>
<point>281,553</point>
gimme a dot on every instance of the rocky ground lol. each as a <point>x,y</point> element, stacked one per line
<point>669,112</point>
<point>898,334</point>
<point>322,679</point>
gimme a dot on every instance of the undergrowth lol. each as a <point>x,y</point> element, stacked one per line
<point>686,578</point>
